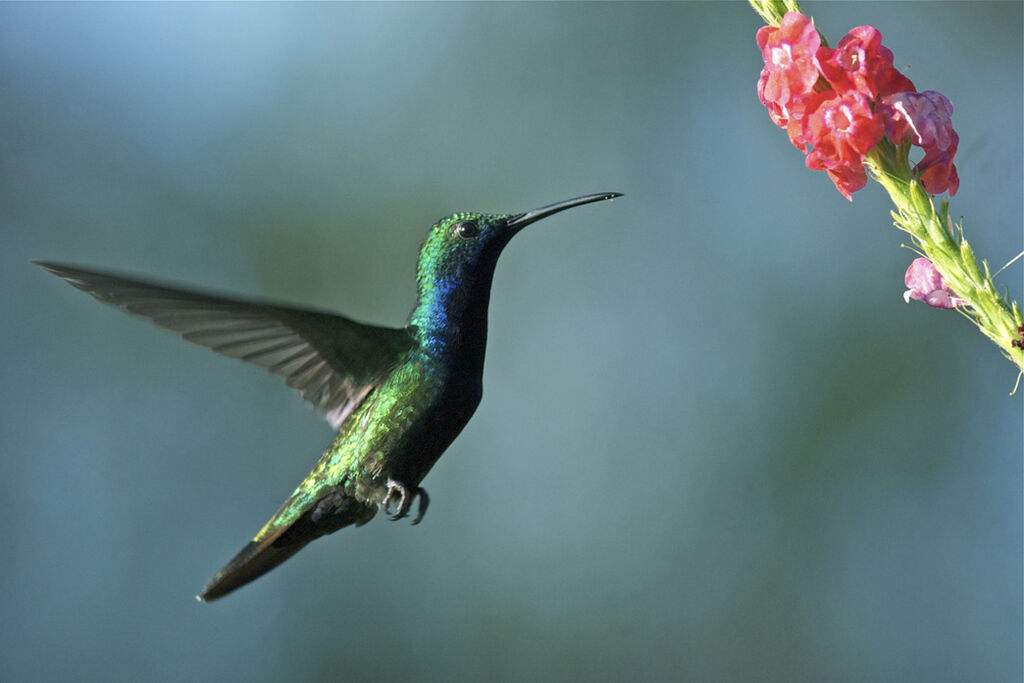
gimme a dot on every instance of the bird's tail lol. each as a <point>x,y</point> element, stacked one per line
<point>252,562</point>
<point>261,555</point>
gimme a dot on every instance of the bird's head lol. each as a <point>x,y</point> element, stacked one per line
<point>456,263</point>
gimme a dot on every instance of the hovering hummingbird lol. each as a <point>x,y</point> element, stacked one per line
<point>398,397</point>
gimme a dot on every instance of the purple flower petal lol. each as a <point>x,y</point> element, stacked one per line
<point>926,284</point>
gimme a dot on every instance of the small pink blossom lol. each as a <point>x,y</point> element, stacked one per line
<point>938,173</point>
<point>790,71</point>
<point>926,284</point>
<point>860,62</point>
<point>790,68</point>
<point>842,129</point>
<point>925,119</point>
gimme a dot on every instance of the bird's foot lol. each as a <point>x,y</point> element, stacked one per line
<point>405,498</point>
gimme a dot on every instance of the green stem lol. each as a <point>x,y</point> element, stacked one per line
<point>772,11</point>
<point>935,236</point>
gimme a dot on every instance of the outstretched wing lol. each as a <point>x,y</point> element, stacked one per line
<point>331,360</point>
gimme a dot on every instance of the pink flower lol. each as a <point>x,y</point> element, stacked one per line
<point>926,284</point>
<point>925,120</point>
<point>860,62</point>
<point>938,173</point>
<point>788,51</point>
<point>842,129</point>
<point>923,117</point>
<point>788,115</point>
<point>790,69</point>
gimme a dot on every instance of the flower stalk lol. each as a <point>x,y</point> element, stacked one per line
<point>838,124</point>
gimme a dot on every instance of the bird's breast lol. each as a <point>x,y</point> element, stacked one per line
<point>401,429</point>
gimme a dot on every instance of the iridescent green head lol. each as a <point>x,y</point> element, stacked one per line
<point>457,262</point>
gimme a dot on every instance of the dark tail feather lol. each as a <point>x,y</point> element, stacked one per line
<point>252,562</point>
<point>332,512</point>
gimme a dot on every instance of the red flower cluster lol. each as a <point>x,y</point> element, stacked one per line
<point>836,104</point>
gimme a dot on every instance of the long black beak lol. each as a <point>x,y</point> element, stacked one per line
<point>520,221</point>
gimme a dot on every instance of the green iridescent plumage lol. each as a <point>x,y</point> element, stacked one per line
<point>398,397</point>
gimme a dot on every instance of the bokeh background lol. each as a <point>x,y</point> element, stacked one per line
<point>715,443</point>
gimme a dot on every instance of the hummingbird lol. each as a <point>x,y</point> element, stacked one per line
<point>397,397</point>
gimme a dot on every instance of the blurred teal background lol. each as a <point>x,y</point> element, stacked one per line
<point>715,443</point>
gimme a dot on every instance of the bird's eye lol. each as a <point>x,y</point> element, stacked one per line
<point>466,230</point>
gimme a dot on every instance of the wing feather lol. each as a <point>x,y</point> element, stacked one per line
<point>333,361</point>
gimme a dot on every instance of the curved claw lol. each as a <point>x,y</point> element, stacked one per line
<point>405,499</point>
<point>424,502</point>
